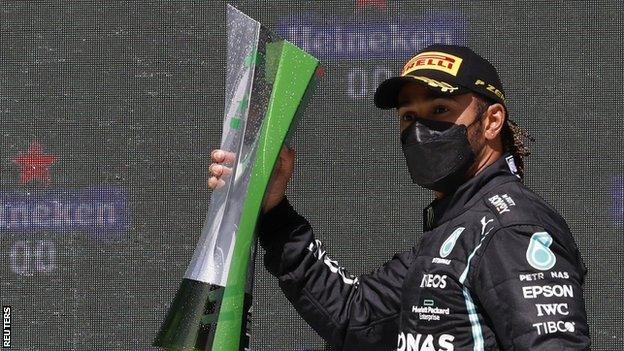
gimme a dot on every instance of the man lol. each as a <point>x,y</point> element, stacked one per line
<point>497,267</point>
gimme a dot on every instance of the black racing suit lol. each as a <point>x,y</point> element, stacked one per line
<point>496,269</point>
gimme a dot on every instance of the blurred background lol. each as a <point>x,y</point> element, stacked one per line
<point>109,110</point>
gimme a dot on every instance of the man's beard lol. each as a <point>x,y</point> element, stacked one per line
<point>476,137</point>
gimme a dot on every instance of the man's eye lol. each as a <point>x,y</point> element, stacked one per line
<point>408,117</point>
<point>440,109</point>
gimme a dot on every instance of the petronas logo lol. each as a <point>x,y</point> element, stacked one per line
<point>449,243</point>
<point>539,254</point>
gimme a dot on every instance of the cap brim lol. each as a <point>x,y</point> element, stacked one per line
<point>388,91</point>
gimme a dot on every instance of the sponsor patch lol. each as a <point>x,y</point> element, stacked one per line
<point>554,327</point>
<point>502,203</point>
<point>436,60</point>
<point>433,281</point>
<point>491,88</point>
<point>430,313</point>
<point>552,309</point>
<point>533,292</point>
<point>316,247</point>
<point>425,342</point>
<point>560,275</point>
<point>529,277</point>
<point>512,165</point>
<point>538,253</point>
<point>449,243</point>
<point>439,260</point>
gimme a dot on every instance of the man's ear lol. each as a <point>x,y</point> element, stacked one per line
<point>493,121</point>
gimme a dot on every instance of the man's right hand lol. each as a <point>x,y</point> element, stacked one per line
<point>277,185</point>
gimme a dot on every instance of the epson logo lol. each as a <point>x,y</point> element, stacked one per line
<point>425,342</point>
<point>533,292</point>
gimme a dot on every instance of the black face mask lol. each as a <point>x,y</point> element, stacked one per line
<point>438,154</point>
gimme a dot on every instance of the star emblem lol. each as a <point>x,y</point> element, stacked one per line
<point>319,72</point>
<point>35,165</point>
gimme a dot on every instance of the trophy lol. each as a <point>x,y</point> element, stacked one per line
<point>268,83</point>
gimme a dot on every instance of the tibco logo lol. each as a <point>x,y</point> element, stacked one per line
<point>554,327</point>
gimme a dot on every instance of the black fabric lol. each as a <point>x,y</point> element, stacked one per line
<point>477,291</point>
<point>437,160</point>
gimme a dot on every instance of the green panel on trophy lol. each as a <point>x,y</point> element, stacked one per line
<point>294,74</point>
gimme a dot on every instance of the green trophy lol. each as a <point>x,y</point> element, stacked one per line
<point>268,83</point>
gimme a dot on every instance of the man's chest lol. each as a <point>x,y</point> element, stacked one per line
<point>436,305</point>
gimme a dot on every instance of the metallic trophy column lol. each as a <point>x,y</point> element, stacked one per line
<point>268,83</point>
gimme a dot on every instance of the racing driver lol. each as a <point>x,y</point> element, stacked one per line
<point>496,268</point>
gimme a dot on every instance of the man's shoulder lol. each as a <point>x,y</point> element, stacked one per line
<point>522,216</point>
<point>514,204</point>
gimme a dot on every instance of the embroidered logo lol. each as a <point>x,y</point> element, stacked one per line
<point>449,243</point>
<point>539,254</point>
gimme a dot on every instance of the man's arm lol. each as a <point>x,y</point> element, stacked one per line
<point>350,313</point>
<point>528,282</point>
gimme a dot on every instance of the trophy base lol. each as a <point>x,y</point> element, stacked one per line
<point>191,321</point>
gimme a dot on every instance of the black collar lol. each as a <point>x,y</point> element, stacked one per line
<point>452,205</point>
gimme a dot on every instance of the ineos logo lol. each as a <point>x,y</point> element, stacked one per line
<point>433,281</point>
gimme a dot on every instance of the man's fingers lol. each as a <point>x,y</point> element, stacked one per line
<point>285,165</point>
<point>219,170</point>
<point>214,182</point>
<point>220,156</point>
<point>287,158</point>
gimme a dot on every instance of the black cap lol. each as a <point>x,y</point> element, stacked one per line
<point>446,69</point>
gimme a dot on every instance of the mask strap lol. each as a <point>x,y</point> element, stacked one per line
<point>479,117</point>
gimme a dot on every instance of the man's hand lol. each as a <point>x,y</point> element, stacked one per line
<point>277,185</point>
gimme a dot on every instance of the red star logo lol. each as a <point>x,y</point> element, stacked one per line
<point>35,165</point>
<point>377,3</point>
<point>320,72</point>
